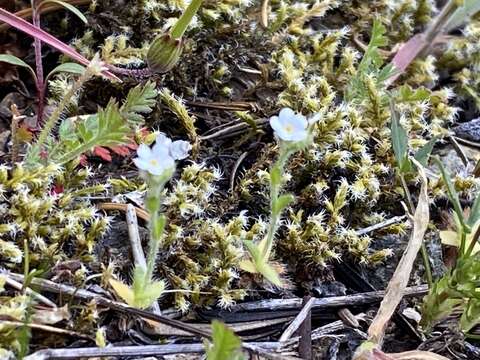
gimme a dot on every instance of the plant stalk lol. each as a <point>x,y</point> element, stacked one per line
<point>37,45</point>
<point>182,23</point>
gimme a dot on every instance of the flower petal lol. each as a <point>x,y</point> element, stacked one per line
<point>144,151</point>
<point>141,163</point>
<point>162,141</point>
<point>179,149</point>
<point>286,113</point>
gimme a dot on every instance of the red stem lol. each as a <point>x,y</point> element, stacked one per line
<point>37,44</point>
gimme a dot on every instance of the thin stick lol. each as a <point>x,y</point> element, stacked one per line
<point>127,351</point>
<point>235,169</point>
<point>381,225</point>
<point>264,14</point>
<point>123,308</point>
<point>287,334</point>
<point>30,292</point>
<point>305,332</point>
<point>141,213</point>
<point>137,250</point>
<point>325,303</point>
<point>46,328</point>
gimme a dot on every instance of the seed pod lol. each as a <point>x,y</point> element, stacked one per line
<point>164,53</point>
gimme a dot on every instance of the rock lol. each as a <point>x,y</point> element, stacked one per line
<point>469,130</point>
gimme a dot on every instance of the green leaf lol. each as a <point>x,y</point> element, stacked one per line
<point>399,141</point>
<point>462,14</point>
<point>276,175</point>
<point>471,315</point>
<point>474,212</point>
<point>72,68</point>
<point>226,345</point>
<point>281,203</point>
<point>423,154</point>
<point>260,264</point>
<point>69,7</point>
<point>140,100</point>
<point>452,193</point>
<point>407,94</point>
<point>13,60</point>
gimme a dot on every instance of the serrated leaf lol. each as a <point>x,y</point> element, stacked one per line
<point>226,345</point>
<point>13,60</point>
<point>122,290</point>
<point>72,68</point>
<point>140,100</point>
<point>69,7</point>
<point>423,154</point>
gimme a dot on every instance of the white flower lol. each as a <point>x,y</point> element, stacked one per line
<point>178,150</point>
<point>154,160</point>
<point>289,126</point>
<point>162,155</point>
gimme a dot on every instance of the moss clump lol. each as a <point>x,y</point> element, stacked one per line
<point>47,209</point>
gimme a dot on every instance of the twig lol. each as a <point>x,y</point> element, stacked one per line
<point>328,302</point>
<point>127,351</point>
<point>333,327</point>
<point>30,292</point>
<point>48,285</point>
<point>381,225</point>
<point>287,334</point>
<point>235,169</point>
<point>141,213</point>
<point>459,150</point>
<point>264,14</point>
<point>305,332</point>
<point>233,129</point>
<point>47,328</point>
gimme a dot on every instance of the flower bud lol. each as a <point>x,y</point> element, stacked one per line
<point>164,53</point>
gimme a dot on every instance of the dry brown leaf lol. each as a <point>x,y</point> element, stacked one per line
<point>399,281</point>
<point>50,316</point>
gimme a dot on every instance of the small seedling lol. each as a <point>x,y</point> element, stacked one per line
<point>457,290</point>
<point>157,165</point>
<point>293,133</point>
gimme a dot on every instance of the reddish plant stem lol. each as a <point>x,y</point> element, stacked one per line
<point>37,44</point>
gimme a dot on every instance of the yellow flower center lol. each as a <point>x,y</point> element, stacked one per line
<point>153,162</point>
<point>289,128</point>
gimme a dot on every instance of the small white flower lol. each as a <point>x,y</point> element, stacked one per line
<point>289,126</point>
<point>179,149</point>
<point>162,155</point>
<point>154,160</point>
